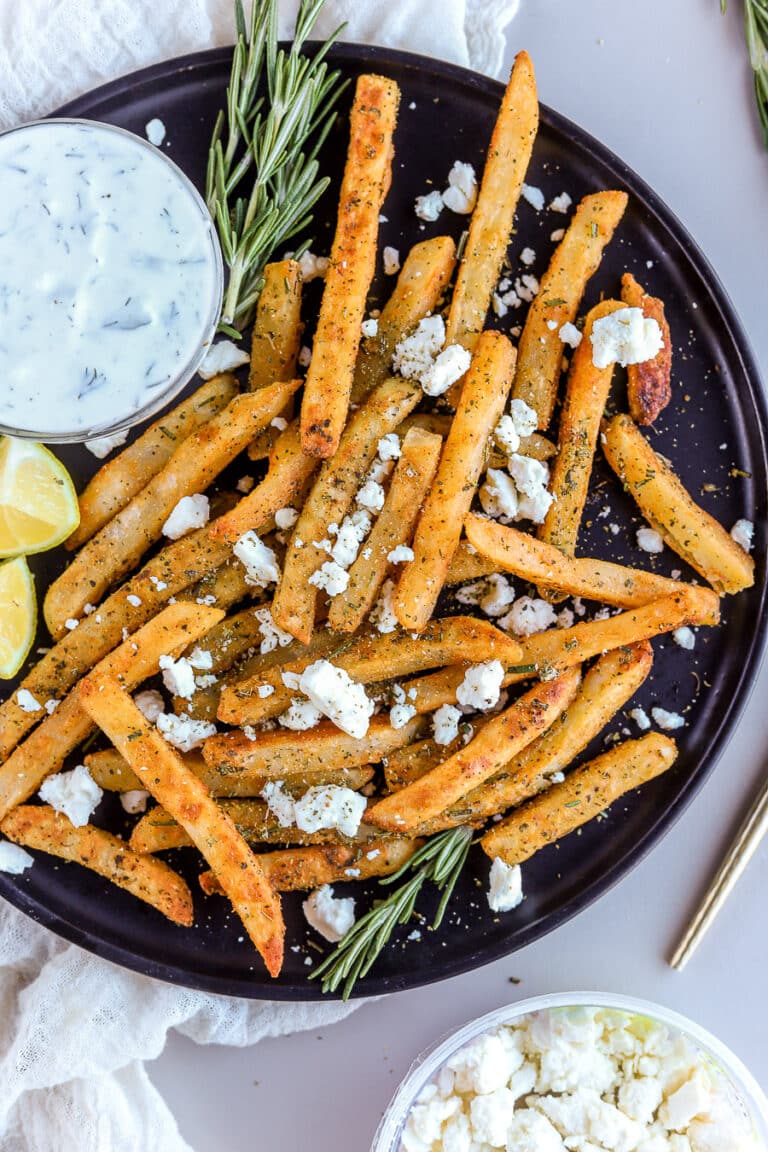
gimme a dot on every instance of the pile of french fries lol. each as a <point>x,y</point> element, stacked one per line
<point>134,603</point>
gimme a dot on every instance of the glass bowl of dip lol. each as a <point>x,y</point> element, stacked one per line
<point>558,1016</point>
<point>111,280</point>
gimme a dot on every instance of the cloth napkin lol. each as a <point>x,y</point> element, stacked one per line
<point>75,1029</point>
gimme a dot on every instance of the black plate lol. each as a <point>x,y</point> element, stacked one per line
<point>716,424</point>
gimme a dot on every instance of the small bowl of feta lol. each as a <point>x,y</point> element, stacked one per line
<point>578,1072</point>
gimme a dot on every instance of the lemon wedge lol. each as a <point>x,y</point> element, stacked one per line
<point>18,615</point>
<point>38,502</point>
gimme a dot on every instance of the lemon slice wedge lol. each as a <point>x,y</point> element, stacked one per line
<point>18,615</point>
<point>38,502</point>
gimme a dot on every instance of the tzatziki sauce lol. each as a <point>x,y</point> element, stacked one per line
<point>110,279</point>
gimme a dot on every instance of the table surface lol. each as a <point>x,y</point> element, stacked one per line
<point>669,90</point>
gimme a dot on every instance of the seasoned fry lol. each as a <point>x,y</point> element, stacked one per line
<point>275,341</point>
<point>186,798</point>
<point>509,550</point>
<point>409,486</point>
<point>649,386</point>
<point>223,587</point>
<point>119,480</point>
<point>484,756</point>
<point>509,153</point>
<point>483,396</point>
<point>46,749</point>
<point>584,794</point>
<point>669,508</point>
<point>468,565</point>
<point>585,398</point>
<point>573,262</point>
<point>119,545</point>
<point>353,260</point>
<point>368,659</point>
<point>38,826</point>
<point>422,279</point>
<point>331,497</point>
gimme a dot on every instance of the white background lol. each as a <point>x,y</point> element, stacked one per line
<point>665,84</point>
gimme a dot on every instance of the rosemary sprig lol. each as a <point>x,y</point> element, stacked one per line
<point>756,29</point>
<point>273,138</point>
<point>440,860</point>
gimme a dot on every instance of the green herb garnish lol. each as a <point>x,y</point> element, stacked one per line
<point>756,29</point>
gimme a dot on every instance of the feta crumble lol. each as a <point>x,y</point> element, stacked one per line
<point>534,196</point>
<point>330,577</point>
<point>506,886</point>
<point>305,356</point>
<point>382,615</point>
<point>272,637</point>
<point>669,721</point>
<point>447,367</point>
<point>402,554</point>
<point>498,495</point>
<point>279,803</point>
<point>625,337</point>
<point>75,794</point>
<point>101,446</point>
<point>414,355</point>
<point>370,496</point>
<point>154,130</point>
<point>400,714</point>
<point>259,561</point>
<point>13,859</point>
<point>560,203</point>
<point>640,717</point>
<point>338,697</point>
<point>300,716</point>
<point>481,686</point>
<point>285,518</point>
<point>329,915</point>
<point>183,732</point>
<point>528,257</point>
<point>311,267</point>
<point>134,801</point>
<point>684,638</point>
<point>461,194</point>
<point>27,702</point>
<point>178,676</point>
<point>329,806</point>
<point>389,447</point>
<point>429,207</point>
<point>354,529</point>
<point>650,540</point>
<point>222,357</point>
<point>445,724</point>
<point>742,532</point>
<point>150,703</point>
<point>529,616</point>
<point>370,328</point>
<point>391,258</point>
<point>190,513</point>
<point>570,335</point>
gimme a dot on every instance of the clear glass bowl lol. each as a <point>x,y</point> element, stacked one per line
<point>389,1133</point>
<point>186,371</point>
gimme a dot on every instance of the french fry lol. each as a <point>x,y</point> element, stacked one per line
<point>649,385</point>
<point>420,284</point>
<point>483,396</point>
<point>223,587</point>
<point>586,395</point>
<point>353,260</point>
<point>573,262</point>
<point>368,659</point>
<point>509,153</point>
<point>39,827</point>
<point>584,794</point>
<point>410,483</point>
<point>186,799</point>
<point>46,749</point>
<point>668,507</point>
<point>110,771</point>
<point>119,480</point>
<point>484,756</point>
<point>468,565</point>
<point>119,545</point>
<point>275,341</point>
<point>509,550</point>
<point>331,497</point>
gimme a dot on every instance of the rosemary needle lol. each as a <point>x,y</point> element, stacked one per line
<point>756,30</point>
<point>440,860</point>
<point>280,108</point>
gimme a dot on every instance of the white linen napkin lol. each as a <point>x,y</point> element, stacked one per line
<point>75,1029</point>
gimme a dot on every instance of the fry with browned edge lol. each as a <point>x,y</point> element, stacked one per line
<point>649,384</point>
<point>299,869</point>
<point>275,340</point>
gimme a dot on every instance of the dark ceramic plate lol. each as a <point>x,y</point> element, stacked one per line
<point>714,431</point>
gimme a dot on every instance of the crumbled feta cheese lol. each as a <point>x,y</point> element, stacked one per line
<point>190,513</point>
<point>305,356</point>
<point>354,529</point>
<point>524,418</point>
<point>300,716</point>
<point>650,540</point>
<point>178,676</point>
<point>445,724</point>
<point>461,194</point>
<point>640,717</point>
<point>490,1117</point>
<point>625,337</point>
<point>134,801</point>
<point>279,803</point>
<point>154,130</point>
<point>183,732</point>
<point>371,496</point>
<point>506,886</point>
<point>13,859</point>
<point>528,257</point>
<point>560,203</point>
<point>557,235</point>
<point>75,794</point>
<point>565,618</point>
<point>482,1066</point>
<point>263,691</point>
<point>383,614</point>
<point>329,806</point>
<point>389,447</point>
<point>499,307</point>
<point>534,196</point>
<point>669,721</point>
<point>331,578</point>
<point>429,206</point>
<point>691,1100</point>
<point>133,600</point>
<point>259,561</point>
<point>279,422</point>
<point>526,287</point>
<point>72,623</point>
<point>506,436</point>
<point>51,706</point>
<point>414,355</point>
<point>481,686</point>
<point>272,636</point>
<point>245,484</point>
<point>285,518</point>
<point>101,446</point>
<point>448,367</point>
<point>391,258</point>
<point>498,495</point>
<point>370,328</point>
<point>160,586</point>
<point>150,703</point>
<point>528,616</point>
<point>311,267</point>
<point>338,697</point>
<point>330,916</point>
<point>291,680</point>
<point>222,357</point>
<point>402,554</point>
<point>400,714</point>
<point>27,702</point>
<point>570,335</point>
<point>742,532</point>
<point>685,638</point>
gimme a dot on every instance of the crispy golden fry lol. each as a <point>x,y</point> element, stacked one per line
<point>468,565</point>
<point>585,398</point>
<point>584,794</point>
<point>669,508</point>
<point>508,550</point>
<point>119,545</point>
<point>223,587</point>
<point>111,772</point>
<point>408,488</point>
<point>187,799</point>
<point>38,826</point>
<point>331,497</point>
<point>275,341</point>
<point>535,446</point>
<point>509,153</point>
<point>573,262</point>
<point>353,260</point>
<point>46,749</point>
<point>120,479</point>
<point>649,386</point>
<point>368,659</point>
<point>420,284</point>
<point>484,756</point>
<point>483,396</point>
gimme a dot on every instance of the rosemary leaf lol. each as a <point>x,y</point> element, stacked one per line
<point>756,31</point>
